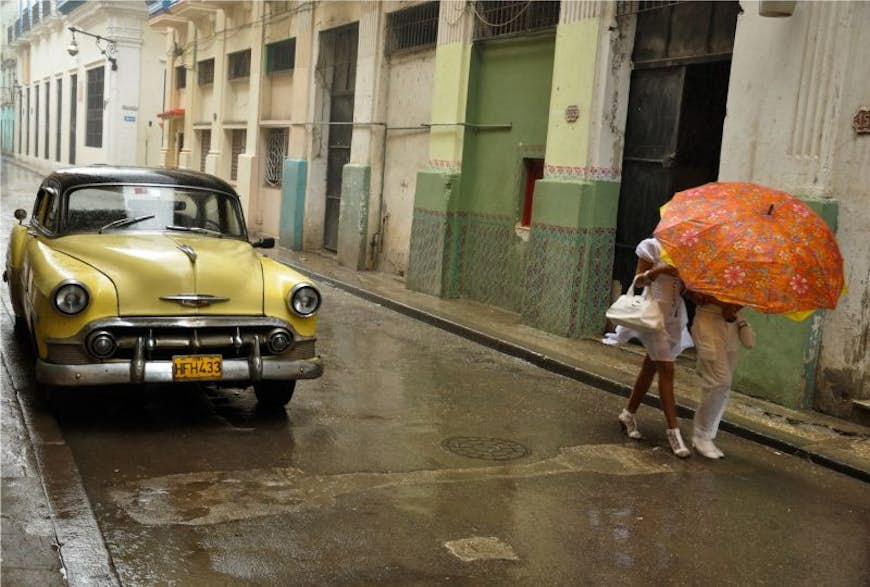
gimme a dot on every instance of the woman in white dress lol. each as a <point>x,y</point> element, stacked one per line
<point>662,347</point>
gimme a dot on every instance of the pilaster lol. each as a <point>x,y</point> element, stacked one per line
<point>574,212</point>
<point>433,258</point>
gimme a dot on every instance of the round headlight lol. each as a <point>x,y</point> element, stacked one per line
<point>70,298</point>
<point>304,300</point>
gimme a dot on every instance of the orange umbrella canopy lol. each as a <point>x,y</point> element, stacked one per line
<point>754,246</point>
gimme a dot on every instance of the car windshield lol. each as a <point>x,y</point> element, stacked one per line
<point>136,207</point>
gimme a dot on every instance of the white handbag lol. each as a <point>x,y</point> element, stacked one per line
<point>639,312</point>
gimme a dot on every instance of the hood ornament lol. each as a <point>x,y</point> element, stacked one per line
<point>188,250</point>
<point>195,300</point>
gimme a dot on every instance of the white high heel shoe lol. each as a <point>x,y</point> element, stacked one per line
<point>706,448</point>
<point>629,424</point>
<point>676,442</point>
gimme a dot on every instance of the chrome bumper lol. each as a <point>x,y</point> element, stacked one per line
<point>246,370</point>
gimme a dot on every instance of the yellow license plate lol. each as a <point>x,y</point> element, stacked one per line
<point>194,367</point>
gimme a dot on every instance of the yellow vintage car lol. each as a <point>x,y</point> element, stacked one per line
<point>128,275</point>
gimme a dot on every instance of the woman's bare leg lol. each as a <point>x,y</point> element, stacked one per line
<point>665,370</point>
<point>642,383</point>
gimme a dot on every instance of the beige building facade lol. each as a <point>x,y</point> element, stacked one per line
<point>314,111</point>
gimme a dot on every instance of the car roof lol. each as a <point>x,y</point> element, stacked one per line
<point>94,174</point>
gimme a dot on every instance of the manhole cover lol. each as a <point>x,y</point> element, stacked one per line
<point>489,449</point>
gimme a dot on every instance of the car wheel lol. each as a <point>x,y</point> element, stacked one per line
<point>274,393</point>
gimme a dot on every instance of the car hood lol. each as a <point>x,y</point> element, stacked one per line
<point>146,267</point>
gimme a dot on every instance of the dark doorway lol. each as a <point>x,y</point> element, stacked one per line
<point>676,109</point>
<point>341,48</point>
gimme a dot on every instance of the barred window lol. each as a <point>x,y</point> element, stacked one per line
<point>276,150</point>
<point>412,28</point>
<point>239,138</point>
<point>281,56</point>
<point>278,6</point>
<point>499,18</point>
<point>204,147</point>
<point>180,77</point>
<point>94,119</point>
<point>205,72</point>
<point>239,64</point>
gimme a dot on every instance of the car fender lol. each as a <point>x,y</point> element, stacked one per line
<point>14,259</point>
<point>44,270</point>
<point>278,281</point>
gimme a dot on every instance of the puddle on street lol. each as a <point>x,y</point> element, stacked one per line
<point>221,496</point>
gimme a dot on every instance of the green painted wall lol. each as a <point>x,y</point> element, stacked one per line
<point>433,256</point>
<point>567,284</point>
<point>782,366</point>
<point>293,203</point>
<point>509,83</point>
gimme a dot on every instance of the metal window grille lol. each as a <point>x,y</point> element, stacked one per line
<point>276,150</point>
<point>46,9</point>
<point>499,18</point>
<point>281,56</point>
<point>9,34</point>
<point>205,72</point>
<point>239,138</point>
<point>180,77</point>
<point>204,147</point>
<point>58,117</point>
<point>278,6</point>
<point>412,28</point>
<point>94,117</point>
<point>239,64</point>
<point>25,23</point>
<point>624,8</point>
<point>34,12</point>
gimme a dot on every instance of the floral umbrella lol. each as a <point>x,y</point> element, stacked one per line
<point>754,246</point>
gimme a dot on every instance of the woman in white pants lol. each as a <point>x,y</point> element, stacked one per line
<point>716,332</point>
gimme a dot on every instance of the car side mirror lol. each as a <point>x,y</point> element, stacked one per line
<point>20,215</point>
<point>264,243</point>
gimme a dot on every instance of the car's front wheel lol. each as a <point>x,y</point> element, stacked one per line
<point>274,394</point>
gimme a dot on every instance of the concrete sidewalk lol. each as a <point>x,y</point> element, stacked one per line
<point>831,442</point>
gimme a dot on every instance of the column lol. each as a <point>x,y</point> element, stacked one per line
<point>433,255</point>
<point>295,182</point>
<point>218,138</point>
<point>574,211</point>
<point>358,217</point>
<point>249,161</point>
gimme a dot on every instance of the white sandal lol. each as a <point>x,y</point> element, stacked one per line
<point>675,439</point>
<point>629,424</point>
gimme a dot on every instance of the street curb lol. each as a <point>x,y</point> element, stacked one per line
<point>576,373</point>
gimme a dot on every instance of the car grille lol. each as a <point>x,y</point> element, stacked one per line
<point>165,338</point>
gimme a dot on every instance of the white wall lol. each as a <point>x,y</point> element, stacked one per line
<point>127,104</point>
<point>409,104</point>
<point>796,83</point>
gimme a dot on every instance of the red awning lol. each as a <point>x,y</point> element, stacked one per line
<point>173,113</point>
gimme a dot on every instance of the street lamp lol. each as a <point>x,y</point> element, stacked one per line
<point>108,47</point>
